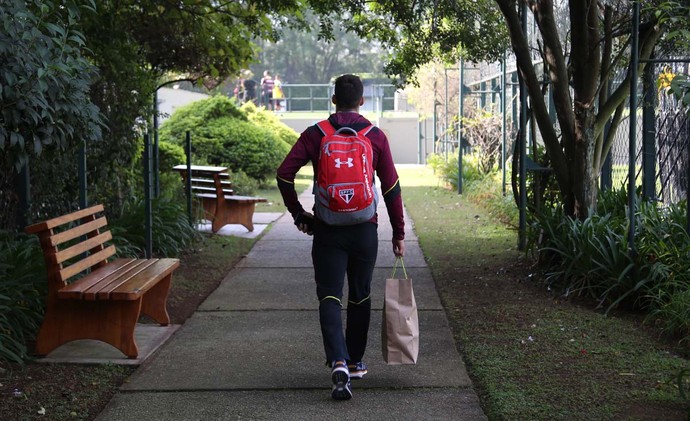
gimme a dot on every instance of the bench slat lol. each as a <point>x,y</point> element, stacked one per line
<point>76,289</point>
<point>61,220</point>
<point>105,289</point>
<point>210,189</point>
<point>205,196</point>
<point>246,199</point>
<point>77,231</point>
<point>249,199</point>
<point>200,168</point>
<point>86,263</point>
<point>84,246</point>
<point>146,279</point>
<point>210,181</point>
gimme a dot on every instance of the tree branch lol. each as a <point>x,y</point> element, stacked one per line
<point>526,67</point>
<point>649,40</point>
<point>604,77</point>
<point>558,69</point>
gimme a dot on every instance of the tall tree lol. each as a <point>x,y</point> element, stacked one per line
<point>300,55</point>
<point>579,67</point>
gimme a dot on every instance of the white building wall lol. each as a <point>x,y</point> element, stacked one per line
<point>169,99</point>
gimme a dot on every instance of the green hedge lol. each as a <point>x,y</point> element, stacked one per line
<point>223,135</point>
<point>269,120</point>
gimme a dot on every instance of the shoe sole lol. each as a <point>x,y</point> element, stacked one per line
<point>341,385</point>
<point>357,374</point>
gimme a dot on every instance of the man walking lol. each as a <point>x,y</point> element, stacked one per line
<point>340,248</point>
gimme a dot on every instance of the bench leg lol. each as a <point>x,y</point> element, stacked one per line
<point>112,322</point>
<point>153,304</point>
<point>231,212</point>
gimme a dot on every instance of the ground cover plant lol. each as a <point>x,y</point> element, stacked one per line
<point>530,354</point>
<point>590,258</point>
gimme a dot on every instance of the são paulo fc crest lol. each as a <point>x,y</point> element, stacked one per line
<point>346,194</point>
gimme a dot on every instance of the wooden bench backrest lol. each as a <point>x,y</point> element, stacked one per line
<point>73,243</point>
<point>208,182</point>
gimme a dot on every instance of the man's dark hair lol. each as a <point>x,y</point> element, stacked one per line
<point>348,91</point>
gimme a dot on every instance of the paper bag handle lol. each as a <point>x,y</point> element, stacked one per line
<point>395,266</point>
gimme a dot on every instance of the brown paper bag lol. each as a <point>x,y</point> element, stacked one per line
<point>400,326</point>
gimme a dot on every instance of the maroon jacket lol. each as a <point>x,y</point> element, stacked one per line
<point>307,149</point>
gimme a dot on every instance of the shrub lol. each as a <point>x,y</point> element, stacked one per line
<point>488,193</point>
<point>23,289</point>
<point>223,136</point>
<point>447,168</point>
<point>267,119</point>
<point>592,258</point>
<point>243,185</point>
<point>170,183</point>
<point>169,155</point>
<point>483,131</point>
<point>171,229</point>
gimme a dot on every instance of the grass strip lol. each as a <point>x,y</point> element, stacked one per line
<point>531,355</point>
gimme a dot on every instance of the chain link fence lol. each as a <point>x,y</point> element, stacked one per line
<point>670,139</point>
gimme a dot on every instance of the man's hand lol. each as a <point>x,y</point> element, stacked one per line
<point>399,247</point>
<point>305,222</point>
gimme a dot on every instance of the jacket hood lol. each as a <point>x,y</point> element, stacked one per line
<point>348,119</point>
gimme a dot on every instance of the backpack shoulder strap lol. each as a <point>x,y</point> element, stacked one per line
<point>326,127</point>
<point>365,130</point>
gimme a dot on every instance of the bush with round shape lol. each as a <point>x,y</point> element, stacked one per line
<point>222,135</point>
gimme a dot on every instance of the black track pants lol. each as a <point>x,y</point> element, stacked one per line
<point>338,251</point>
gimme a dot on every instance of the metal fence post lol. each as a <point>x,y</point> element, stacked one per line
<point>188,179</point>
<point>504,126</point>
<point>461,111</point>
<point>445,115</point>
<point>420,142</point>
<point>156,170</point>
<point>148,213</point>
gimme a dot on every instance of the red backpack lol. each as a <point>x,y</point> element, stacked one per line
<point>345,193</point>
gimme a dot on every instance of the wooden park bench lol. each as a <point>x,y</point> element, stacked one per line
<point>104,299</point>
<point>213,188</point>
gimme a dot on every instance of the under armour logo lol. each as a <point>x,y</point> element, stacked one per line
<point>349,163</point>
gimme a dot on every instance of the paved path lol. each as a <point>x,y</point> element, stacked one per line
<point>253,349</point>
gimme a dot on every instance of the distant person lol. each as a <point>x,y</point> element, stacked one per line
<point>267,90</point>
<point>278,94</point>
<point>249,90</point>
<point>344,247</point>
<point>238,91</point>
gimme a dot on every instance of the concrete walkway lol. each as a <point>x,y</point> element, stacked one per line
<point>253,349</point>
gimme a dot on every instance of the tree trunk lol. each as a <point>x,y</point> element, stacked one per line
<point>584,175</point>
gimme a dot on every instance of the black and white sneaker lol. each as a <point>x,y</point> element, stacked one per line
<point>357,370</point>
<point>340,376</point>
